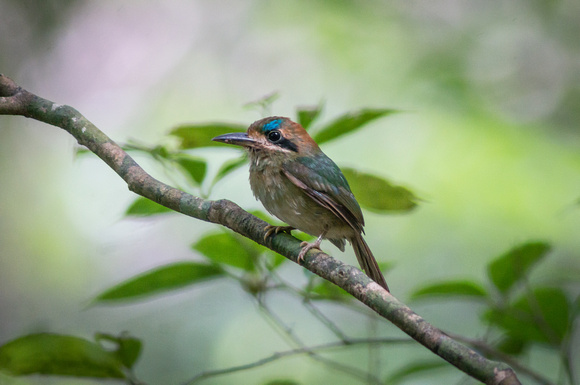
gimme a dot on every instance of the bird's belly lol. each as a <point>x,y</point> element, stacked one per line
<point>291,205</point>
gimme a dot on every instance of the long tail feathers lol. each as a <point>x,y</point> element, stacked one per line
<point>367,261</point>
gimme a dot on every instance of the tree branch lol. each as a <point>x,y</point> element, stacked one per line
<point>16,101</point>
<point>486,349</point>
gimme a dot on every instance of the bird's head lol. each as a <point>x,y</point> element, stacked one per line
<point>273,136</point>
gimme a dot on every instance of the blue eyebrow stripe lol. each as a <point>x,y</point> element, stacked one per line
<point>274,124</point>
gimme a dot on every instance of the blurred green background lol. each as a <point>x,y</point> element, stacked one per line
<point>489,137</point>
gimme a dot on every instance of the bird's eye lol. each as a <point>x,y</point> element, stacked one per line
<point>274,136</point>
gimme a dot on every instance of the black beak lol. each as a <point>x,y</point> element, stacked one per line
<point>236,138</point>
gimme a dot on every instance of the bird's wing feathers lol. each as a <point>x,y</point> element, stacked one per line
<point>321,179</point>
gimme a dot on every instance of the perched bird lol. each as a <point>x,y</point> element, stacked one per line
<point>299,184</point>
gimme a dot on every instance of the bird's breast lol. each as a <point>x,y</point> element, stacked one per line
<point>290,204</point>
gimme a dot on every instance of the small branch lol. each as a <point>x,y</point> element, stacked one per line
<point>325,320</point>
<point>17,101</point>
<point>293,352</point>
<point>287,332</point>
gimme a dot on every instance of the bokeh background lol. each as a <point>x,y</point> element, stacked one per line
<point>489,138</point>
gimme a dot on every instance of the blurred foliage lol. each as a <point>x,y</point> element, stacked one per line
<point>145,207</point>
<point>199,135</point>
<point>307,115</point>
<point>450,288</point>
<point>373,192</point>
<point>413,369</point>
<point>379,195</point>
<point>348,123</point>
<point>515,62</point>
<point>518,314</point>
<point>62,355</point>
<point>509,269</point>
<point>164,278</point>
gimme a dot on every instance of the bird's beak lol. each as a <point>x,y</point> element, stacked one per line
<point>236,138</point>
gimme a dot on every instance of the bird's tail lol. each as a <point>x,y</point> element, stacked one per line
<point>367,260</point>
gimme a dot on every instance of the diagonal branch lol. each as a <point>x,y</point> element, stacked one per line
<point>16,101</point>
<point>488,350</point>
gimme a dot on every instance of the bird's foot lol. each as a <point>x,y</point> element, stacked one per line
<point>307,246</point>
<point>277,229</point>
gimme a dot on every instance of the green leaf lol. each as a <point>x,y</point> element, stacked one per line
<point>143,207</point>
<point>554,308</point>
<point>268,218</point>
<point>128,348</point>
<point>200,135</point>
<point>230,249</point>
<point>157,151</point>
<point>542,316</point>
<point>264,103</point>
<point>81,151</point>
<point>230,166</point>
<point>282,382</point>
<point>307,115</point>
<point>165,278</point>
<point>195,168</point>
<point>275,260</point>
<point>450,289</point>
<point>416,368</point>
<point>509,268</point>
<point>576,307</point>
<point>379,195</point>
<point>386,266</point>
<point>264,216</point>
<point>512,346</point>
<point>61,355</point>
<point>349,122</point>
<point>237,251</point>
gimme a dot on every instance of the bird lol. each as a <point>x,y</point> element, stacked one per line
<point>296,182</point>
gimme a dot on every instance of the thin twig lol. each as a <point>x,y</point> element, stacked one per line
<point>294,352</point>
<point>325,320</point>
<point>287,332</point>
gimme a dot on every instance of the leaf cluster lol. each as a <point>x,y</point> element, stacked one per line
<point>65,355</point>
<point>519,314</point>
<point>221,255</point>
<point>373,192</point>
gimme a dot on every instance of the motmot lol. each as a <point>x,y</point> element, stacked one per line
<point>300,185</point>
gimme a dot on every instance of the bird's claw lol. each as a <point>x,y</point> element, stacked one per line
<point>306,247</point>
<point>276,229</point>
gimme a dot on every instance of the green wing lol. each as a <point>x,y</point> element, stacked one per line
<point>321,179</point>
